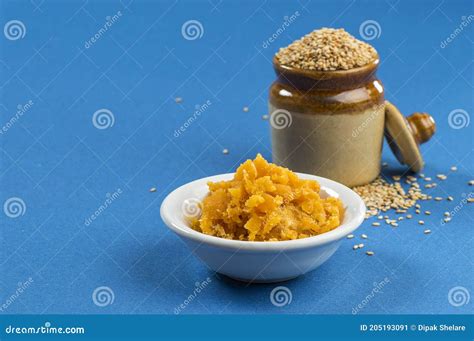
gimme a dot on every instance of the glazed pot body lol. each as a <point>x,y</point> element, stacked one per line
<point>328,123</point>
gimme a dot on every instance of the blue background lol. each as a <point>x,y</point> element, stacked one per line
<point>62,166</point>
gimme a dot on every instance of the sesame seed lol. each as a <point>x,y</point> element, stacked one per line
<point>427,179</point>
<point>447,214</point>
<point>355,247</point>
<point>427,231</point>
<point>384,164</point>
<point>470,200</point>
<point>427,212</point>
<point>450,198</point>
<point>421,222</point>
<point>361,246</point>
<point>264,117</point>
<point>350,236</point>
<point>381,196</point>
<point>441,176</point>
<point>153,189</point>
<point>438,198</point>
<point>363,236</point>
<point>225,151</point>
<point>447,219</point>
<point>327,49</point>
<point>245,109</point>
<point>369,253</point>
<point>471,183</point>
<point>454,168</point>
<point>375,224</point>
<point>178,99</point>
<point>409,216</point>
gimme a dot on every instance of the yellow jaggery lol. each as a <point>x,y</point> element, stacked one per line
<point>265,202</point>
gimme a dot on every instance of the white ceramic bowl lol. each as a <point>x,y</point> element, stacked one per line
<point>259,261</point>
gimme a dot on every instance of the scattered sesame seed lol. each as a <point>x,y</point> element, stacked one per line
<point>470,200</point>
<point>394,224</point>
<point>369,253</point>
<point>375,224</point>
<point>225,151</point>
<point>396,177</point>
<point>400,218</point>
<point>417,211</point>
<point>438,198</point>
<point>441,176</point>
<point>447,214</point>
<point>384,164</point>
<point>427,179</point>
<point>245,109</point>
<point>178,99</point>
<point>454,168</point>
<point>355,247</point>
<point>363,236</point>
<point>350,236</point>
<point>447,219</point>
<point>361,246</point>
<point>427,231</point>
<point>450,198</point>
<point>427,212</point>
<point>264,117</point>
<point>421,222</point>
<point>471,183</point>
<point>409,216</point>
<point>153,189</point>
<point>417,206</point>
<point>380,217</point>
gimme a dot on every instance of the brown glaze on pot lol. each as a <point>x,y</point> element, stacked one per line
<point>329,92</point>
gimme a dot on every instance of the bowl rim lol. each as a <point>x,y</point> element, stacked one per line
<point>185,231</point>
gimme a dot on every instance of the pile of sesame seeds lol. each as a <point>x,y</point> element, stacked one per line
<point>327,49</point>
<point>383,198</point>
<point>380,195</point>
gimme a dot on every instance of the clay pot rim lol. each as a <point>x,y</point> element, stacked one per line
<point>326,75</point>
